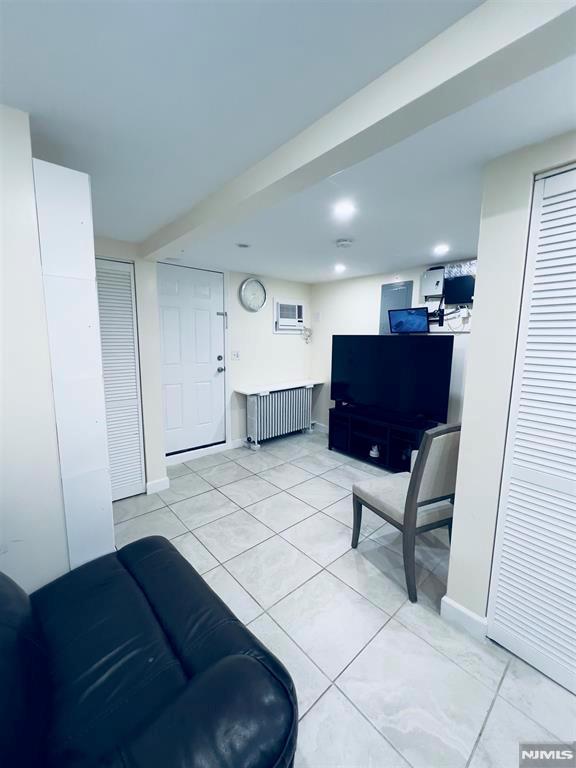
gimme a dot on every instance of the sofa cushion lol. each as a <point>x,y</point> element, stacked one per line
<point>233,715</point>
<point>23,681</point>
<point>200,627</point>
<point>111,665</point>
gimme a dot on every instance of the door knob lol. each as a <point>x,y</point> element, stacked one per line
<point>220,369</point>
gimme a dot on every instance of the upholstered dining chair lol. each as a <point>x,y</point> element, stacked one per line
<point>416,501</point>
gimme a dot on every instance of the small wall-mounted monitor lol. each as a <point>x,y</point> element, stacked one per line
<point>459,289</point>
<point>413,320</point>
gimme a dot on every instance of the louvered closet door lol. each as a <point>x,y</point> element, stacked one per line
<point>532,607</point>
<point>121,368</point>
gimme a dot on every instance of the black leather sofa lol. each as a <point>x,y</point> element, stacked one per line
<point>131,661</point>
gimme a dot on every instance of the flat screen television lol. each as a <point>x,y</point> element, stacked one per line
<point>459,289</point>
<point>413,320</point>
<point>396,375</point>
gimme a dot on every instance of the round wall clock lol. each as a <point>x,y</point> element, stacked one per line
<point>252,294</point>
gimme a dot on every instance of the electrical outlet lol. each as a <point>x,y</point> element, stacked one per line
<point>235,355</point>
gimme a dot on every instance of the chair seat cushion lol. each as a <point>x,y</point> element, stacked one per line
<point>388,495</point>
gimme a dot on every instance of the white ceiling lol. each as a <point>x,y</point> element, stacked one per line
<point>162,102</point>
<point>425,190</point>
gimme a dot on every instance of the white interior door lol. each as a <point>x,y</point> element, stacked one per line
<point>192,346</point>
<point>532,607</point>
<point>121,369</point>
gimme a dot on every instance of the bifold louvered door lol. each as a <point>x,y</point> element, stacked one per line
<point>116,300</point>
<point>532,607</point>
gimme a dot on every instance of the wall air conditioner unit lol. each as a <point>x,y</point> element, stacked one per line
<point>288,317</point>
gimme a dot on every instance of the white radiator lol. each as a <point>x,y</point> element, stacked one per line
<point>271,414</point>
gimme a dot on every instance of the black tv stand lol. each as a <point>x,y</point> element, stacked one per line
<point>355,430</point>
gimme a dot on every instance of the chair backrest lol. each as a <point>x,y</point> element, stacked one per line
<point>433,477</point>
<point>436,464</point>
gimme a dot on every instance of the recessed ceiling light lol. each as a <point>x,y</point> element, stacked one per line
<point>243,245</point>
<point>344,210</point>
<point>441,249</point>
<point>339,268</point>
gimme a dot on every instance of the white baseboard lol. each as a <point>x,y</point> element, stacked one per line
<point>239,442</point>
<point>462,617</point>
<point>158,485</point>
<point>178,458</point>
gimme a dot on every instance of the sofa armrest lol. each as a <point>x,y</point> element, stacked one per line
<point>236,714</point>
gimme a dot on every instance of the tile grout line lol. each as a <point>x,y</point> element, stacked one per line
<point>323,568</point>
<point>521,711</point>
<point>141,514</point>
<point>352,660</point>
<point>278,533</point>
<point>488,713</point>
<point>223,564</point>
<point>433,570</point>
<point>217,487</point>
<point>371,724</point>
<point>394,616</point>
<point>166,505</point>
<point>318,573</point>
<point>442,653</point>
<point>310,659</point>
<point>333,683</point>
<point>275,603</point>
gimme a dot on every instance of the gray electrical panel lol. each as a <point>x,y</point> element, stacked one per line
<point>432,283</point>
<point>394,296</point>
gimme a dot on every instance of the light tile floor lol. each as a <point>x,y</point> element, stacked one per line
<point>381,682</point>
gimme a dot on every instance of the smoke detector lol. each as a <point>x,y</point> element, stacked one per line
<point>344,242</point>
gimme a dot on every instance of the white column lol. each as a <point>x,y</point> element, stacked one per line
<point>67,253</point>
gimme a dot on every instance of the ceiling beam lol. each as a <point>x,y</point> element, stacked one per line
<point>494,46</point>
<point>108,248</point>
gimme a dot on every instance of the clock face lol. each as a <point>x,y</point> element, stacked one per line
<point>252,294</point>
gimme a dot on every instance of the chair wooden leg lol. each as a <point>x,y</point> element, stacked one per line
<point>357,504</point>
<point>409,551</point>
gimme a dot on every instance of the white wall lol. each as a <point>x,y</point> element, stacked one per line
<point>265,357</point>
<point>353,307</point>
<point>501,259</point>
<point>149,347</point>
<point>346,306</point>
<point>33,544</point>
